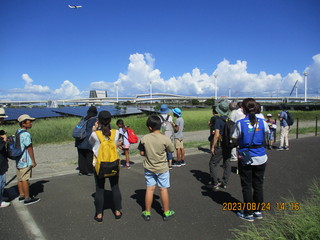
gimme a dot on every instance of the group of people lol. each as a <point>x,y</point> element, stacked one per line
<point>166,136</point>
<point>25,163</point>
<point>246,143</point>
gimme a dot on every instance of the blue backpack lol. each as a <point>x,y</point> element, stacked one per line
<point>14,151</point>
<point>80,130</point>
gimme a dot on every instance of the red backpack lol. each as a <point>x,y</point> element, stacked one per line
<point>132,137</point>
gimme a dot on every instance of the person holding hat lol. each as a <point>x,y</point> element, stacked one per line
<point>85,154</point>
<point>27,160</point>
<point>218,149</point>
<point>178,127</point>
<point>272,127</point>
<point>166,127</point>
<point>3,160</point>
<point>104,128</point>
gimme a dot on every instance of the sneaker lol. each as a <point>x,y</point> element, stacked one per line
<point>128,166</point>
<point>286,148</point>
<point>233,159</point>
<point>257,215</point>
<point>176,164</point>
<point>182,163</point>
<point>170,167</point>
<point>223,185</point>
<point>21,198</point>
<point>168,215</point>
<point>31,201</point>
<point>4,204</point>
<point>216,186</point>
<point>246,217</point>
<point>146,215</point>
<point>280,148</point>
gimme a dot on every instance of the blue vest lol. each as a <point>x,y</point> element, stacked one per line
<point>245,139</point>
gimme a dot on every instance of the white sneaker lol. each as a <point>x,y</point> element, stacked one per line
<point>4,204</point>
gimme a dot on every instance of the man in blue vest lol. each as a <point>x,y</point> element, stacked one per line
<point>219,151</point>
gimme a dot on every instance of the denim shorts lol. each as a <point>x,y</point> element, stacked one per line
<point>160,179</point>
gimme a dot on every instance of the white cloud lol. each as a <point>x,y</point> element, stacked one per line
<point>33,88</point>
<point>314,75</point>
<point>67,90</point>
<point>235,76</point>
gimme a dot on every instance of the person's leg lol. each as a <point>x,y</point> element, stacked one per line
<point>82,161</point>
<point>169,158</point>
<point>286,136</point>
<point>89,159</point>
<point>282,135</point>
<point>23,187</point>
<point>164,195</point>
<point>178,154</point>
<point>149,197</point>
<point>257,183</point>
<point>213,163</point>
<point>116,194</point>
<point>126,153</point>
<point>2,184</point>
<point>99,196</point>
<point>182,154</point>
<point>245,173</point>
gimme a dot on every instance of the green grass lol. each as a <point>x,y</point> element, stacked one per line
<point>58,130</point>
<point>288,224</point>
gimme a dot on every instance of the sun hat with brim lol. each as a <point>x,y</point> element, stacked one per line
<point>24,117</point>
<point>164,109</point>
<point>223,107</point>
<point>269,115</point>
<point>177,111</point>
<point>3,113</point>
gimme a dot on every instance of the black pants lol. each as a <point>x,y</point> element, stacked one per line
<point>214,162</point>
<point>85,158</point>
<point>252,178</point>
<point>99,195</point>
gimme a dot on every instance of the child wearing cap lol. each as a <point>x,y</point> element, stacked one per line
<point>272,126</point>
<point>178,127</point>
<point>27,160</point>
<point>3,160</point>
<point>154,147</point>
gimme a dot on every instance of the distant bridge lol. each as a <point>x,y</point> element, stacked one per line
<point>140,98</point>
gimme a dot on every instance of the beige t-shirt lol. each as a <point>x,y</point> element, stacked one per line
<point>155,146</point>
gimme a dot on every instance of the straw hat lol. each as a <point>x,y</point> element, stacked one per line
<point>3,113</point>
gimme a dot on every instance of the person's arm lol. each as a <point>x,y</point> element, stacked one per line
<point>142,149</point>
<point>215,140</point>
<point>31,154</point>
<point>3,140</point>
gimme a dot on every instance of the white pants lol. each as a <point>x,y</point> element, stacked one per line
<point>284,136</point>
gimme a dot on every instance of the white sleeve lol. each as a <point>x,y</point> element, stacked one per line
<point>95,143</point>
<point>237,131</point>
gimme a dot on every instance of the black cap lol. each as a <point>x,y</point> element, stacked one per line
<point>92,110</point>
<point>2,132</point>
<point>104,115</point>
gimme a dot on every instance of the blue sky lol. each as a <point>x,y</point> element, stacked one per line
<point>254,47</point>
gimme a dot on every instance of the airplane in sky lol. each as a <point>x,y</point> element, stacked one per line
<point>74,6</point>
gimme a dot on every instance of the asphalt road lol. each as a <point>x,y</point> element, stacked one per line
<point>66,208</point>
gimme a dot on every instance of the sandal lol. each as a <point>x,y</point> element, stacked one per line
<point>117,216</point>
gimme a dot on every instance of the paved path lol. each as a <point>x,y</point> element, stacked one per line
<point>66,208</point>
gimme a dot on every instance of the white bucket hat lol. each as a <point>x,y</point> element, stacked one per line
<point>3,113</point>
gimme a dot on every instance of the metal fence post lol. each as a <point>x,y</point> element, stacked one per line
<point>297,129</point>
<point>316,126</point>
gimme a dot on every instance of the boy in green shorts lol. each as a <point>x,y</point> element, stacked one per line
<point>154,146</point>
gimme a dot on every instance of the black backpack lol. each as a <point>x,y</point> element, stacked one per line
<point>80,130</point>
<point>289,119</point>
<point>227,134</point>
<point>14,151</point>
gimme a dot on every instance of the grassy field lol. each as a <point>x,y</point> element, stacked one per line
<point>58,130</point>
<point>298,224</point>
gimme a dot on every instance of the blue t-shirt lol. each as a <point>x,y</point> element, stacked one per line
<point>284,117</point>
<point>25,142</point>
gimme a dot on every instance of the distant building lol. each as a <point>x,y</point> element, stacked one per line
<point>98,94</point>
